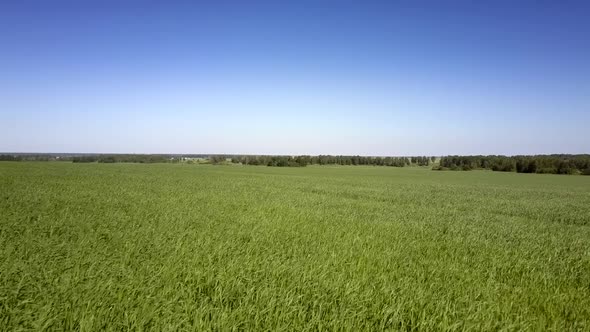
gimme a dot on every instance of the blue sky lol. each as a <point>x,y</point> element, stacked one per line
<point>295,77</point>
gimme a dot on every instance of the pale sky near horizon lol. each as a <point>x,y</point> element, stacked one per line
<point>295,77</point>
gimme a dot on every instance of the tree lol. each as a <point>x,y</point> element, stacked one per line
<point>217,159</point>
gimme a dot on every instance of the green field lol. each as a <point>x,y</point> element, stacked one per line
<point>198,247</point>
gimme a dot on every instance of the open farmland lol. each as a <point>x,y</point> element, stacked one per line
<point>199,247</point>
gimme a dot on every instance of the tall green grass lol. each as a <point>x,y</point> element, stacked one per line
<point>186,247</point>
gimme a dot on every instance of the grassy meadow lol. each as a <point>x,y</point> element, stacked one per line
<point>170,247</point>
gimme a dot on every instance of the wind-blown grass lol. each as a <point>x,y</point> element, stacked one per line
<point>185,247</point>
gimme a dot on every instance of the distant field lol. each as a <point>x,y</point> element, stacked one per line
<point>198,247</point>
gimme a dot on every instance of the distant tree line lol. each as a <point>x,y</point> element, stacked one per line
<point>101,158</point>
<point>217,159</point>
<point>122,158</point>
<point>27,157</point>
<point>300,161</point>
<point>277,161</point>
<point>89,158</point>
<point>265,160</point>
<point>422,161</point>
<point>551,164</point>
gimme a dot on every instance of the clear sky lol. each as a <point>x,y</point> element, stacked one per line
<point>295,77</point>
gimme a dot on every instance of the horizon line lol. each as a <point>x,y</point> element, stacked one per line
<point>271,154</point>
